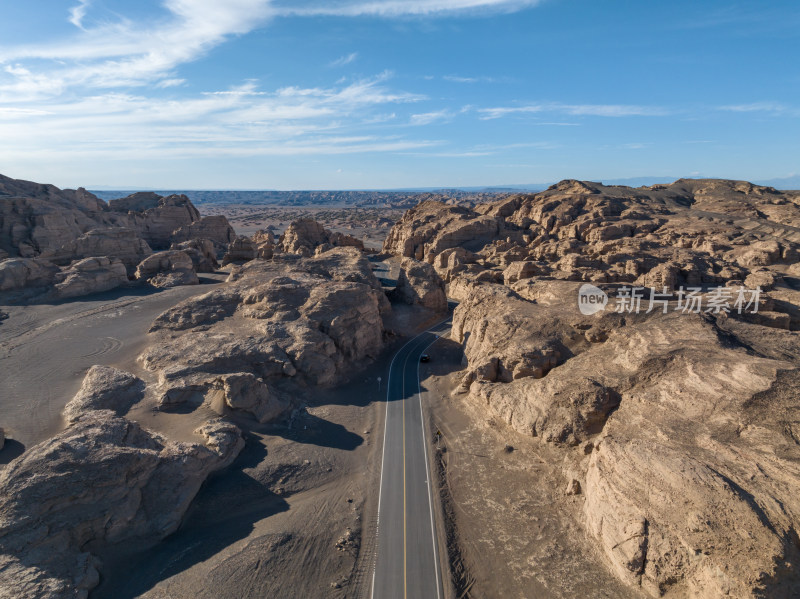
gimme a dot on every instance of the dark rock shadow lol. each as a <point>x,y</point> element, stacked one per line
<point>224,511</point>
<point>11,451</point>
<point>313,430</point>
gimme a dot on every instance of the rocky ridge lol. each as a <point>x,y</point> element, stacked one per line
<point>44,229</point>
<point>675,424</point>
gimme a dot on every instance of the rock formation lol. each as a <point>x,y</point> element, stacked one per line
<point>241,249</point>
<point>105,388</point>
<point>19,273</point>
<point>202,253</point>
<point>167,269</point>
<point>418,284</point>
<point>675,424</point>
<point>156,218</point>
<point>216,229</point>
<point>305,235</point>
<point>121,243</point>
<point>90,275</point>
<point>104,480</point>
<point>276,325</point>
<point>58,227</point>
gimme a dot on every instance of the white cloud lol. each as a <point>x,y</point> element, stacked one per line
<point>775,108</point>
<point>426,118</point>
<point>604,110</point>
<point>78,12</point>
<point>343,60</point>
<point>242,121</point>
<point>127,53</point>
<point>398,8</point>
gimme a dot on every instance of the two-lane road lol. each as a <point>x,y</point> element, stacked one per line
<point>407,565</point>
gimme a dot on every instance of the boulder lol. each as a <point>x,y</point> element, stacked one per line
<point>90,275</point>
<point>169,268</point>
<point>202,253</point>
<point>22,273</point>
<point>105,388</point>
<point>103,480</point>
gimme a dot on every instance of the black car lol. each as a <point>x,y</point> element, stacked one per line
<point>424,358</point>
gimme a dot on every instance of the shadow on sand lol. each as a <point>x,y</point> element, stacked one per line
<point>11,450</point>
<point>225,511</point>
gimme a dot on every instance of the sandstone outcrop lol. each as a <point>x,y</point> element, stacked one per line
<point>241,249</point>
<point>118,243</point>
<point>418,284</point>
<point>62,226</point>
<point>216,229</point>
<point>277,325</point>
<point>19,273</point>
<point>90,275</point>
<point>202,253</point>
<point>167,269</point>
<point>305,235</point>
<point>104,480</point>
<point>690,233</point>
<point>686,443</point>
<point>105,388</point>
<point>674,422</point>
<point>265,244</point>
<point>157,219</point>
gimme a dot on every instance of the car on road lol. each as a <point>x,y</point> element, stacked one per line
<point>424,358</point>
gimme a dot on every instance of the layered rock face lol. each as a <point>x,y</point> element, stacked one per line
<point>276,325</point>
<point>19,273</point>
<point>418,284</point>
<point>679,427</point>
<point>104,480</point>
<point>675,423</point>
<point>242,249</point>
<point>201,251</point>
<point>156,218</point>
<point>215,229</point>
<point>121,243</point>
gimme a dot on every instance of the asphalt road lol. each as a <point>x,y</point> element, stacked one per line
<point>407,564</point>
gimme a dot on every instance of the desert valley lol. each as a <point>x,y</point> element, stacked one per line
<point>198,401</point>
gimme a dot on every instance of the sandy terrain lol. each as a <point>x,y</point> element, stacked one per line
<point>512,532</point>
<point>45,350</point>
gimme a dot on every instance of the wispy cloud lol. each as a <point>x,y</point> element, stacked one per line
<point>343,60</point>
<point>774,108</point>
<point>426,118</point>
<point>602,110</point>
<point>242,121</point>
<point>127,53</point>
<point>398,8</point>
<point>78,12</point>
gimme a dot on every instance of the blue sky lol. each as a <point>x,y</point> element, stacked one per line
<point>343,94</point>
